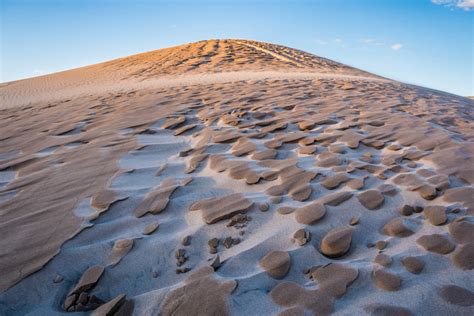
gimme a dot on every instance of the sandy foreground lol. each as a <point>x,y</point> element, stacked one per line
<point>234,177</point>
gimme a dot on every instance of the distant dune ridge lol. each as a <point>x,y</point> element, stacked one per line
<point>234,177</point>
<point>192,63</point>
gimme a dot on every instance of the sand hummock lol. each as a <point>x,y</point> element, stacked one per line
<point>234,177</point>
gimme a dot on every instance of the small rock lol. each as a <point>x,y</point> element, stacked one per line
<point>396,227</point>
<point>83,298</point>
<point>463,258</point>
<point>418,209</point>
<point>150,228</point>
<point>70,301</point>
<point>301,237</point>
<point>388,189</point>
<point>186,241</point>
<point>371,199</point>
<point>427,192</point>
<point>275,199</point>
<point>228,242</point>
<point>310,214</point>
<point>381,244</point>
<point>337,198</point>
<point>216,263</point>
<point>90,277</point>
<point>386,280</point>
<point>336,242</point>
<point>58,278</point>
<point>285,210</point>
<point>180,253</point>
<point>185,152</point>
<point>462,230</point>
<point>182,270</point>
<point>263,206</point>
<point>383,260</point>
<point>306,150</point>
<point>394,147</point>
<point>354,221</point>
<point>120,249</point>
<point>111,307</point>
<point>276,264</point>
<point>455,210</point>
<point>406,210</point>
<point>181,257</point>
<point>356,184</point>
<point>334,181</point>
<point>413,264</point>
<point>213,244</point>
<point>457,295</point>
<point>436,214</point>
<point>239,220</point>
<point>334,278</point>
<point>436,243</point>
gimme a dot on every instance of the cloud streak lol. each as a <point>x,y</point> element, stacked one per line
<point>463,4</point>
<point>396,46</point>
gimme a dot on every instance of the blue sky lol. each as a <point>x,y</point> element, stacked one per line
<point>425,42</point>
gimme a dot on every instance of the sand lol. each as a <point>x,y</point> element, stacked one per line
<point>234,177</point>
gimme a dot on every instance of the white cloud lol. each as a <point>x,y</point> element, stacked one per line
<point>396,46</point>
<point>337,40</point>
<point>463,4</point>
<point>321,42</point>
<point>367,40</point>
<point>466,4</point>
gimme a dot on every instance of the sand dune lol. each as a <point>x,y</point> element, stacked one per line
<point>181,65</point>
<point>234,177</point>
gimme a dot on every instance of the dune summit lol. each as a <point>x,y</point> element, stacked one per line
<point>234,177</point>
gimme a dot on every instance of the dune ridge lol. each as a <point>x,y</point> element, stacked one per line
<point>227,60</point>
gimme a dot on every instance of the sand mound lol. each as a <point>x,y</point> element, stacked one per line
<point>200,295</point>
<point>276,264</point>
<point>337,242</point>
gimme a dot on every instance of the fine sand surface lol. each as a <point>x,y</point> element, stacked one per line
<point>234,177</point>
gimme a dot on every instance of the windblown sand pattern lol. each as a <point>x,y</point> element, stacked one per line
<point>234,177</point>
